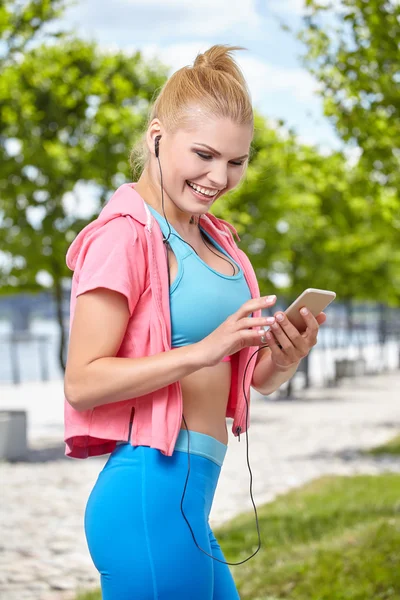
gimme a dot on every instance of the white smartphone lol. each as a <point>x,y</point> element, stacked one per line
<point>314,299</point>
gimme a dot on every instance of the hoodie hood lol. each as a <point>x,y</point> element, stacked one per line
<point>125,201</point>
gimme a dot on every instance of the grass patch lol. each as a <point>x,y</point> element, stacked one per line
<point>391,447</point>
<point>336,538</point>
<point>94,595</point>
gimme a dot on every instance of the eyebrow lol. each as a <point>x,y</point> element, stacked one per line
<point>218,153</point>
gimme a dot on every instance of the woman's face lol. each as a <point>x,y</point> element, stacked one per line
<point>213,155</point>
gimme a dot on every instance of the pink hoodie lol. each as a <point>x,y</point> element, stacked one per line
<point>123,250</point>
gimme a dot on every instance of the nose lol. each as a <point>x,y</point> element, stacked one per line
<point>218,176</point>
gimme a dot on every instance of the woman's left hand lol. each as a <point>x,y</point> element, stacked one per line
<point>294,345</point>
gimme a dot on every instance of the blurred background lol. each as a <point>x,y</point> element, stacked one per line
<point>319,207</point>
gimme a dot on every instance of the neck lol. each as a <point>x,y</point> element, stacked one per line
<point>150,191</point>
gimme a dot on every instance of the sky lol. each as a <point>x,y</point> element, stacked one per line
<point>175,31</point>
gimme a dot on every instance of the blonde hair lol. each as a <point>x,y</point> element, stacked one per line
<point>214,82</point>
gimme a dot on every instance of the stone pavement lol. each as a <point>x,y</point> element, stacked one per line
<point>43,551</point>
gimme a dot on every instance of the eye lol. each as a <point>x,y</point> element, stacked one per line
<point>209,157</point>
<point>204,156</point>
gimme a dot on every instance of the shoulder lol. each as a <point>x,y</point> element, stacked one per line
<point>122,227</point>
<point>121,231</point>
<point>105,241</point>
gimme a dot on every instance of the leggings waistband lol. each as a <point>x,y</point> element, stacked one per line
<point>199,443</point>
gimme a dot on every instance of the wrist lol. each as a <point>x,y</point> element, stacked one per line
<point>198,355</point>
<point>285,369</point>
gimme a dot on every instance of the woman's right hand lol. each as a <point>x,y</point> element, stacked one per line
<point>235,332</point>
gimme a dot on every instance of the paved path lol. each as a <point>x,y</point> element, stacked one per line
<point>43,551</point>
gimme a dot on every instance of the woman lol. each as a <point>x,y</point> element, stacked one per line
<point>161,335</point>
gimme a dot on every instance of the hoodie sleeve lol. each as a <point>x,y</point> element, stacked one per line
<point>112,257</point>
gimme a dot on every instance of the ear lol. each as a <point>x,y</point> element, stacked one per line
<point>153,131</point>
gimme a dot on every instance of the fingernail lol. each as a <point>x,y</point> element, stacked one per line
<point>270,298</point>
<point>304,311</point>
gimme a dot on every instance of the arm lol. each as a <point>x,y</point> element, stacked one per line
<point>267,376</point>
<point>95,376</point>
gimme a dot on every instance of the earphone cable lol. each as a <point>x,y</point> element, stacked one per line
<point>251,479</point>
<point>165,240</point>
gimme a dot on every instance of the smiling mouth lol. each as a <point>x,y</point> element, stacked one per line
<point>204,192</point>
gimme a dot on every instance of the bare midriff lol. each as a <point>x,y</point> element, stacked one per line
<point>205,397</point>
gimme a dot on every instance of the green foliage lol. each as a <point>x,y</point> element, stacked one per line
<point>313,218</point>
<point>352,49</point>
<point>75,112</point>
<point>21,22</point>
<point>305,219</point>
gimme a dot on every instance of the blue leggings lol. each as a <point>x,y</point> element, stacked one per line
<point>137,536</point>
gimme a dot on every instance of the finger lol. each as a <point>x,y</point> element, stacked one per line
<point>311,333</point>
<point>310,320</point>
<point>248,322</point>
<point>281,337</point>
<point>255,304</point>
<point>274,345</point>
<point>288,335</point>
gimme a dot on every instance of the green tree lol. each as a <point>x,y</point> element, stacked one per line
<point>74,112</point>
<point>311,220</point>
<point>22,22</point>
<point>353,50</point>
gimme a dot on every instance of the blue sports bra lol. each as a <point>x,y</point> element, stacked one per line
<point>201,298</point>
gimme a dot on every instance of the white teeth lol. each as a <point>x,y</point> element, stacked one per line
<point>202,190</point>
